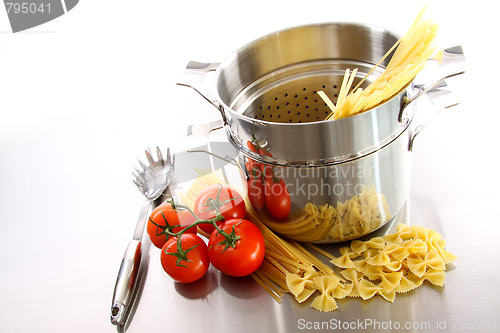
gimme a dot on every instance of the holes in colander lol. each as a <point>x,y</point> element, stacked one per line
<point>298,105</point>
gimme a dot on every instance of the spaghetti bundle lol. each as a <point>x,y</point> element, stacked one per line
<point>412,52</point>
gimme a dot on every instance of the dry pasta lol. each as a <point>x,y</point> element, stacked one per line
<point>412,52</point>
<point>384,266</point>
<point>351,219</point>
<point>368,268</point>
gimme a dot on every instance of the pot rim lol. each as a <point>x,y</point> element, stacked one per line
<point>227,108</point>
<point>326,162</point>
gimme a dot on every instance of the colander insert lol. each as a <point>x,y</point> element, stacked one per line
<point>294,98</point>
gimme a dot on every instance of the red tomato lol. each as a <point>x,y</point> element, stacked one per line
<point>255,189</point>
<point>247,254</point>
<point>163,218</point>
<point>231,204</point>
<point>189,270</point>
<point>277,198</point>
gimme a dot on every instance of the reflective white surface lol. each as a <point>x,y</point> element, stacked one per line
<point>82,96</point>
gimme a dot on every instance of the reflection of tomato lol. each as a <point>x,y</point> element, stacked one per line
<point>265,152</point>
<point>189,270</point>
<point>255,189</point>
<point>253,168</point>
<point>253,146</point>
<point>247,254</point>
<point>277,198</point>
<point>266,169</point>
<point>163,215</point>
<point>231,204</point>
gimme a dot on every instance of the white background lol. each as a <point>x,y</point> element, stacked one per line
<point>83,95</point>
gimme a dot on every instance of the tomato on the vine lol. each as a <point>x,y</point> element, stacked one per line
<point>277,198</point>
<point>240,255</point>
<point>164,219</point>
<point>195,263</point>
<point>229,201</point>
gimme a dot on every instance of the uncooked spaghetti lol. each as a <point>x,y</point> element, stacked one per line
<point>412,52</point>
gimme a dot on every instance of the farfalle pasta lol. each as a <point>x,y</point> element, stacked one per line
<point>361,214</point>
<point>383,266</point>
<point>399,262</point>
<point>330,289</point>
<point>419,263</point>
<point>301,286</point>
<point>367,290</point>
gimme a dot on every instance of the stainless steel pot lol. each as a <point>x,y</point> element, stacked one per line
<point>344,178</point>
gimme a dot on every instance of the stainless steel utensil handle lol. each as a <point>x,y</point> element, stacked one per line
<point>126,280</point>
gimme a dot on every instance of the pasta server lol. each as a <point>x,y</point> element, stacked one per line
<point>152,180</point>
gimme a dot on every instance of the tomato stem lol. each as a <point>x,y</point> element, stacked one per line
<point>181,254</point>
<point>166,229</point>
<point>229,239</point>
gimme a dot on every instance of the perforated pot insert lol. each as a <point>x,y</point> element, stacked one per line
<point>294,99</point>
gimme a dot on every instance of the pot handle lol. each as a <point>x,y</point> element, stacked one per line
<point>450,63</point>
<point>236,163</point>
<point>204,129</point>
<point>442,98</point>
<point>195,76</point>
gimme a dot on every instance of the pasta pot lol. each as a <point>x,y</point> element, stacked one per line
<point>310,179</point>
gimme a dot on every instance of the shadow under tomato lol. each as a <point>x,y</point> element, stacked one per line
<point>241,287</point>
<point>200,288</point>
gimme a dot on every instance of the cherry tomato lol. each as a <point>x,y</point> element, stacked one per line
<point>189,270</point>
<point>176,219</point>
<point>255,189</point>
<point>231,204</point>
<point>247,254</point>
<point>277,198</point>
